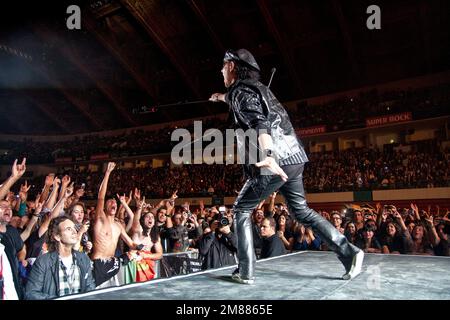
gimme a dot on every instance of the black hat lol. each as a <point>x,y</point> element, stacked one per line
<point>242,55</point>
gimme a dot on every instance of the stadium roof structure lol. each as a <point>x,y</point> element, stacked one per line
<point>132,54</point>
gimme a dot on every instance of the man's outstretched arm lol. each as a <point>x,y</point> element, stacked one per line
<point>99,212</point>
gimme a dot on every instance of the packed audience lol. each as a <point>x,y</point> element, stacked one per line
<point>340,114</point>
<point>423,103</point>
<point>425,165</point>
<point>122,238</point>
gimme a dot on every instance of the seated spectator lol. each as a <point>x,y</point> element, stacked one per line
<point>73,272</point>
<point>336,221</point>
<point>442,248</point>
<point>304,239</point>
<point>272,244</point>
<point>358,219</point>
<point>396,237</point>
<point>283,231</point>
<point>217,246</point>
<point>367,241</point>
<point>420,244</point>
<point>350,232</point>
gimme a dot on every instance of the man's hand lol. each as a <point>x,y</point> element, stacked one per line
<point>122,199</point>
<point>141,204</point>
<point>24,191</point>
<point>137,195</point>
<point>128,200</point>
<point>273,166</point>
<point>65,181</point>
<point>225,229</point>
<point>174,195</point>
<point>56,182</point>
<point>49,179</point>
<point>25,187</point>
<point>69,191</point>
<point>111,166</point>
<point>18,169</point>
<point>216,97</point>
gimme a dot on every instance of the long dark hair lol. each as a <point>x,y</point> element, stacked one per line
<point>244,72</point>
<point>153,232</point>
<point>53,230</point>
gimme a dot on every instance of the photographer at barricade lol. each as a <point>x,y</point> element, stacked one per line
<point>179,234</point>
<point>218,245</point>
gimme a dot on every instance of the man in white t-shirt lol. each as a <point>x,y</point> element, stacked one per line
<point>7,289</point>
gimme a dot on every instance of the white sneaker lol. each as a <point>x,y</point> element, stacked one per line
<point>237,278</point>
<point>356,266</point>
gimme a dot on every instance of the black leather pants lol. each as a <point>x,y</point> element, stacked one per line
<point>260,187</point>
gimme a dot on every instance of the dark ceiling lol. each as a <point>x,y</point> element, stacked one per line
<point>132,53</point>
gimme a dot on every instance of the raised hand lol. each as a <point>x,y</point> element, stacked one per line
<point>56,182</point>
<point>141,204</point>
<point>49,179</point>
<point>69,191</point>
<point>174,195</point>
<point>429,219</point>
<point>25,187</point>
<point>111,166</point>
<point>129,198</point>
<point>378,206</point>
<point>18,169</point>
<point>137,195</point>
<point>65,181</point>
<point>122,199</point>
<point>24,191</point>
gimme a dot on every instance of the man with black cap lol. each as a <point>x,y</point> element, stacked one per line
<point>280,167</point>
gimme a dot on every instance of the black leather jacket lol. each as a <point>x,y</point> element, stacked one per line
<point>43,281</point>
<point>255,106</point>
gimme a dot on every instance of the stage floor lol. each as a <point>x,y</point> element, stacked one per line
<point>301,276</point>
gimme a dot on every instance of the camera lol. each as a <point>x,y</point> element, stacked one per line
<point>223,219</point>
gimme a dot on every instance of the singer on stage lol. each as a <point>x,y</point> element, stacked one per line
<point>255,107</point>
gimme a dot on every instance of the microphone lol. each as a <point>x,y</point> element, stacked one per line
<point>273,70</point>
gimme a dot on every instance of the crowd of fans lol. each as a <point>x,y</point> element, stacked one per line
<point>340,114</point>
<point>422,103</point>
<point>424,165</point>
<point>53,244</point>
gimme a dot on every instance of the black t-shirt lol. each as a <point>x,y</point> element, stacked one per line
<point>34,244</point>
<point>272,247</point>
<point>257,239</point>
<point>396,243</point>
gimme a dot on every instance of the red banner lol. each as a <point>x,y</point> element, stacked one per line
<point>392,118</point>
<point>101,156</point>
<point>311,131</point>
